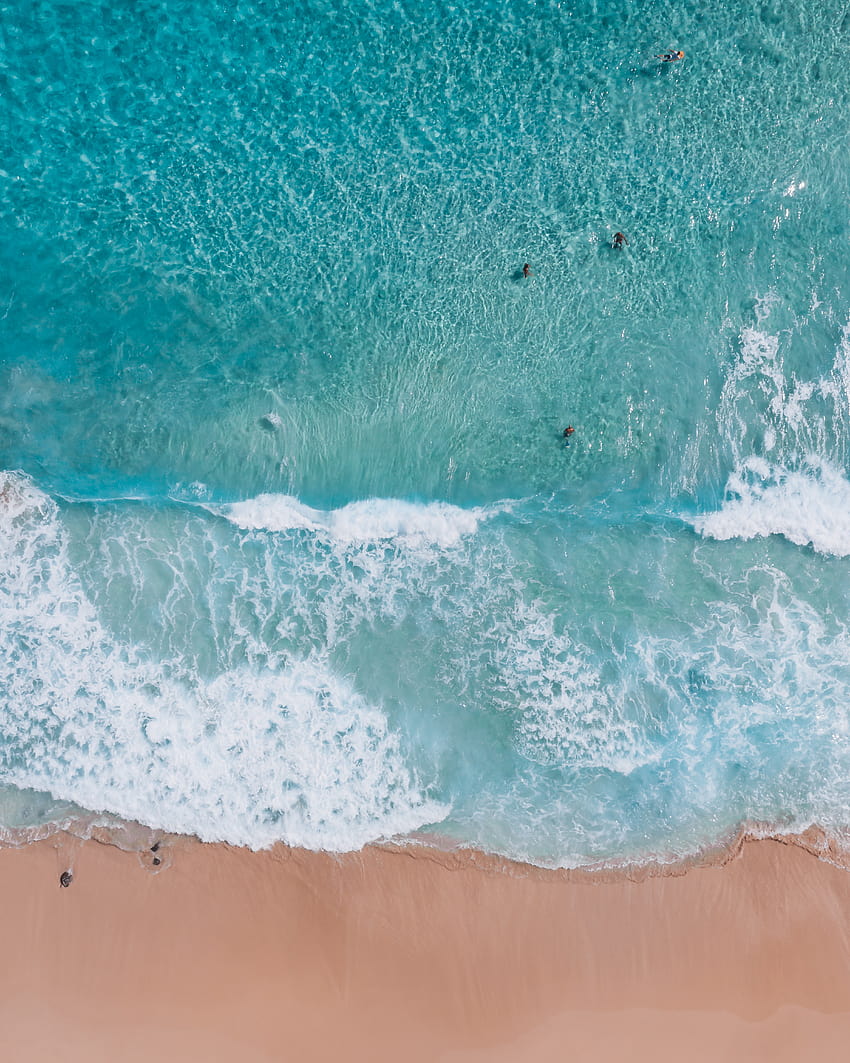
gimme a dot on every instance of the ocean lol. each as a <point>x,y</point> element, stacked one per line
<point>292,544</point>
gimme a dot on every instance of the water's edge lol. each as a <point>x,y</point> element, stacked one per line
<point>157,850</point>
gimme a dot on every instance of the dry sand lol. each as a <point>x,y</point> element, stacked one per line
<point>229,955</point>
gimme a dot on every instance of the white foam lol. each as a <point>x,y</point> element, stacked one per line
<point>295,755</point>
<point>373,520</point>
<point>565,713</point>
<point>253,754</point>
<point>765,305</point>
<point>20,499</point>
<point>810,507</point>
<point>786,441</point>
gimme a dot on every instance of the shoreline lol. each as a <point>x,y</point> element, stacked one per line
<point>416,954</point>
<point>131,836</point>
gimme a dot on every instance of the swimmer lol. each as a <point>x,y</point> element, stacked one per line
<point>526,270</point>
<point>620,240</point>
<point>670,57</point>
<point>568,431</point>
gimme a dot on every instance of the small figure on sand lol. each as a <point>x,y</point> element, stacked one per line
<point>670,57</point>
<point>526,270</point>
<point>620,240</point>
<point>568,431</point>
<point>65,879</point>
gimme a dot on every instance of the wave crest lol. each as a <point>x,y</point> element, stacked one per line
<point>809,507</point>
<point>372,520</point>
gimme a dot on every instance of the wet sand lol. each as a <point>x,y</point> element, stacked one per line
<point>225,955</point>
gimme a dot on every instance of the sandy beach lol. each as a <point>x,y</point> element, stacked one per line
<point>225,954</point>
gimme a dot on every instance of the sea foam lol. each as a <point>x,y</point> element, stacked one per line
<point>372,520</point>
<point>284,751</point>
<point>809,507</point>
<point>785,438</point>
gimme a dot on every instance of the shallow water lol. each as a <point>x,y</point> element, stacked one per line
<point>291,544</point>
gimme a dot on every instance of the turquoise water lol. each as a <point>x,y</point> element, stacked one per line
<point>291,544</point>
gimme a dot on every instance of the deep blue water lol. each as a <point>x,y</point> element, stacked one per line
<point>291,542</point>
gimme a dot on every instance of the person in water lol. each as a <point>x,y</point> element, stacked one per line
<point>526,270</point>
<point>568,431</point>
<point>620,240</point>
<point>670,57</point>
